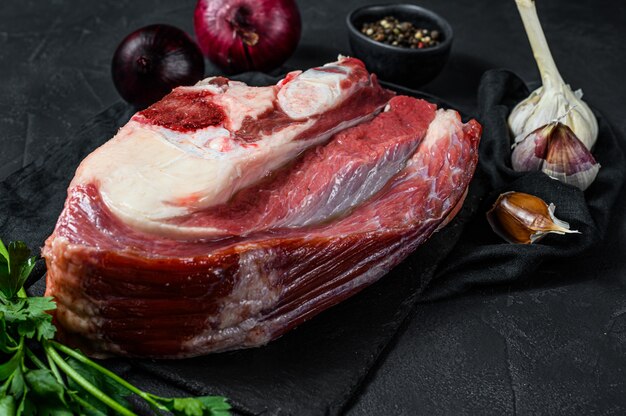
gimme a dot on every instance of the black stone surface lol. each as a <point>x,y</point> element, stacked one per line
<point>553,345</point>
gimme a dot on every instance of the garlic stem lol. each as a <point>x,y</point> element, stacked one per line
<point>550,76</point>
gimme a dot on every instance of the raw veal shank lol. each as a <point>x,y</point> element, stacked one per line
<point>225,215</point>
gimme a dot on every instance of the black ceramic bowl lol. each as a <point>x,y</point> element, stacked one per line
<point>404,66</point>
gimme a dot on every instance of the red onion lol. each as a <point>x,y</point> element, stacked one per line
<point>154,59</point>
<point>245,35</point>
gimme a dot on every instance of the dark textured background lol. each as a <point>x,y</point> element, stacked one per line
<point>556,345</point>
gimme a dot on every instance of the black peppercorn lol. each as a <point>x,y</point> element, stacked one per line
<point>391,31</point>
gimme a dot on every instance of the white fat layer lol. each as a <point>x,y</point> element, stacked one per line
<point>445,123</point>
<point>241,101</point>
<point>145,177</point>
<point>207,143</point>
<point>147,173</point>
<point>152,179</point>
<point>313,92</point>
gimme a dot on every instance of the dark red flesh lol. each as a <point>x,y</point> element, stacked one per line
<point>185,111</point>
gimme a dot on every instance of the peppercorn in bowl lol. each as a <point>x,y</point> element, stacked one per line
<point>401,43</point>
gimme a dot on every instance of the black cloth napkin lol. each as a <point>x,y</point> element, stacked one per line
<point>313,370</point>
<point>481,257</point>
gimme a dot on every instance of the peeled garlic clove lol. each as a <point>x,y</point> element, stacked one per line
<point>521,218</point>
<point>555,150</point>
<point>554,98</point>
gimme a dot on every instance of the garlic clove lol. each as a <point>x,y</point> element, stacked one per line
<point>568,160</point>
<point>555,150</point>
<point>522,113</point>
<point>529,151</point>
<point>521,218</point>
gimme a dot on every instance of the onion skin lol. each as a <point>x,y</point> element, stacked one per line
<point>247,35</point>
<point>153,60</point>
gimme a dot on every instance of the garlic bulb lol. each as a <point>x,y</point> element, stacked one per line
<point>555,150</point>
<point>554,97</point>
<point>521,218</point>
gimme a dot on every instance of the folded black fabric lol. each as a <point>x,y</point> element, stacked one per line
<point>481,257</point>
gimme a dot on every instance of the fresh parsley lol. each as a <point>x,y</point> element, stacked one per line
<point>39,376</point>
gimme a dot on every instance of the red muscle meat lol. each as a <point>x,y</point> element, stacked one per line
<point>236,272</point>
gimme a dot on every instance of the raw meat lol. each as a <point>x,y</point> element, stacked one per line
<point>226,224</point>
<point>201,144</point>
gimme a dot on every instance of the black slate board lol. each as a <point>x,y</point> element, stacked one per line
<point>314,369</point>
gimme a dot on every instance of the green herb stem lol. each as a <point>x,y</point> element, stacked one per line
<point>83,359</point>
<point>84,403</point>
<point>153,400</point>
<point>55,370</point>
<point>16,360</point>
<point>74,375</point>
<point>31,356</point>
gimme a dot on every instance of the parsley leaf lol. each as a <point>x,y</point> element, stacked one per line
<point>188,406</point>
<point>7,406</point>
<point>197,406</point>
<point>42,321</point>
<point>46,393</point>
<point>19,390</point>
<point>7,343</point>
<point>217,404</point>
<point>109,387</point>
<point>15,266</point>
<point>8,367</point>
<point>29,316</point>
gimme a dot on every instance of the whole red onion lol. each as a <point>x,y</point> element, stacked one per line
<point>154,59</point>
<point>245,35</point>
